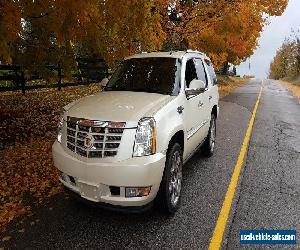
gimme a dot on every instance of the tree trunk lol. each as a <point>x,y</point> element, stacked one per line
<point>59,78</point>
<point>225,68</point>
<point>23,81</point>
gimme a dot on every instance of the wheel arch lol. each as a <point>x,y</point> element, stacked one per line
<point>177,137</point>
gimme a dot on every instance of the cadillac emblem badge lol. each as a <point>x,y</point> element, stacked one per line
<point>88,141</point>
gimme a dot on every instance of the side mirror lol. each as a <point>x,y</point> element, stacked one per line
<point>196,87</point>
<point>215,82</point>
<point>104,82</point>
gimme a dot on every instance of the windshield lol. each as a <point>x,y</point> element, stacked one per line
<point>153,75</point>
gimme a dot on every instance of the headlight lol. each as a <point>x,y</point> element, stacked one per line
<point>145,138</point>
<point>60,127</point>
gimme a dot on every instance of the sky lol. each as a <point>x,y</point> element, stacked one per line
<point>271,39</point>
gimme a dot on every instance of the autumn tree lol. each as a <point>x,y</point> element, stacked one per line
<point>39,33</point>
<point>227,30</point>
<point>286,62</point>
<point>10,26</point>
<point>47,32</point>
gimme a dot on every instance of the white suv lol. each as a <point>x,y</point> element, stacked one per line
<point>125,146</point>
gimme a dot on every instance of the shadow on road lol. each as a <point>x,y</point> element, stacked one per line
<point>66,221</point>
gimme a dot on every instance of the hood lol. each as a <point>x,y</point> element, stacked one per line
<point>119,106</point>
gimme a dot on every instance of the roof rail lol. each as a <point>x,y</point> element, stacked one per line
<point>195,51</point>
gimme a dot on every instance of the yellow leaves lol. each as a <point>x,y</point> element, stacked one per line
<point>6,238</point>
<point>115,29</point>
<point>110,28</point>
<point>274,7</point>
<point>286,62</point>
<point>10,210</point>
<point>10,25</point>
<point>227,31</point>
<point>228,39</point>
<point>218,58</point>
<point>129,25</point>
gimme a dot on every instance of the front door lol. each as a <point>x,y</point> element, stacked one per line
<point>206,98</point>
<point>195,110</point>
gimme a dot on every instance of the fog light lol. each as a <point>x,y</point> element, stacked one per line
<point>63,176</point>
<point>137,191</point>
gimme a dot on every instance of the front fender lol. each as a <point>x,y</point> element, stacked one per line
<point>166,138</point>
<point>168,123</point>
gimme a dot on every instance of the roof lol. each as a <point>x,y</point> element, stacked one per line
<point>172,54</point>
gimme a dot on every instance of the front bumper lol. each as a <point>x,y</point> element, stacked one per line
<point>108,206</point>
<point>93,180</point>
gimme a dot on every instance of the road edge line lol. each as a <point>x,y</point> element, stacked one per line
<point>217,238</point>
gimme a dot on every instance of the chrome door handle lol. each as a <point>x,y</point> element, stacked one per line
<point>200,104</point>
<point>180,109</point>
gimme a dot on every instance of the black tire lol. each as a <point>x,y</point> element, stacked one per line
<point>208,146</point>
<point>166,198</point>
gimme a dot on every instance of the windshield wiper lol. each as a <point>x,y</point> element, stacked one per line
<point>132,89</point>
<point>115,89</point>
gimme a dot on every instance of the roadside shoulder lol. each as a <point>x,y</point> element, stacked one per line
<point>292,87</point>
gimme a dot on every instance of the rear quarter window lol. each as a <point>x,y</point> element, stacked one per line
<point>211,71</point>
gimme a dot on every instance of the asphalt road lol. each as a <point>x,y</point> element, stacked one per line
<point>268,194</point>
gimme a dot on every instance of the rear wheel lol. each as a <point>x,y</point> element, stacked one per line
<point>170,186</point>
<point>208,146</point>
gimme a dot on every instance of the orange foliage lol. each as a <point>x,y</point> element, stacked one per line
<point>10,25</point>
<point>231,32</point>
<point>50,30</point>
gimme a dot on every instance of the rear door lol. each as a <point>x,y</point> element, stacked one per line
<point>212,84</point>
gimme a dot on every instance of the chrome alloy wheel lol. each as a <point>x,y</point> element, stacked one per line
<point>175,178</point>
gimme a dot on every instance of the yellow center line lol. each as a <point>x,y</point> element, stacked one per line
<point>218,233</point>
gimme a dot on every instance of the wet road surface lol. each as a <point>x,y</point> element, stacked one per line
<point>267,197</point>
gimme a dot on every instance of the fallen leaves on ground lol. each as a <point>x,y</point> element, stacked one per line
<point>6,238</point>
<point>28,127</point>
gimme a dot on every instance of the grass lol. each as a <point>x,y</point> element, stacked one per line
<point>228,84</point>
<point>293,80</point>
<point>292,84</point>
<point>6,84</point>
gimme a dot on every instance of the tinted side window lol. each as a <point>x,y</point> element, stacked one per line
<point>190,72</point>
<point>201,71</point>
<point>211,72</point>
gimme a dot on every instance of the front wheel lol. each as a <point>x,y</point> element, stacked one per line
<point>208,146</point>
<point>170,187</point>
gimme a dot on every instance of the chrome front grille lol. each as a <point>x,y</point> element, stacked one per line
<point>94,139</point>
